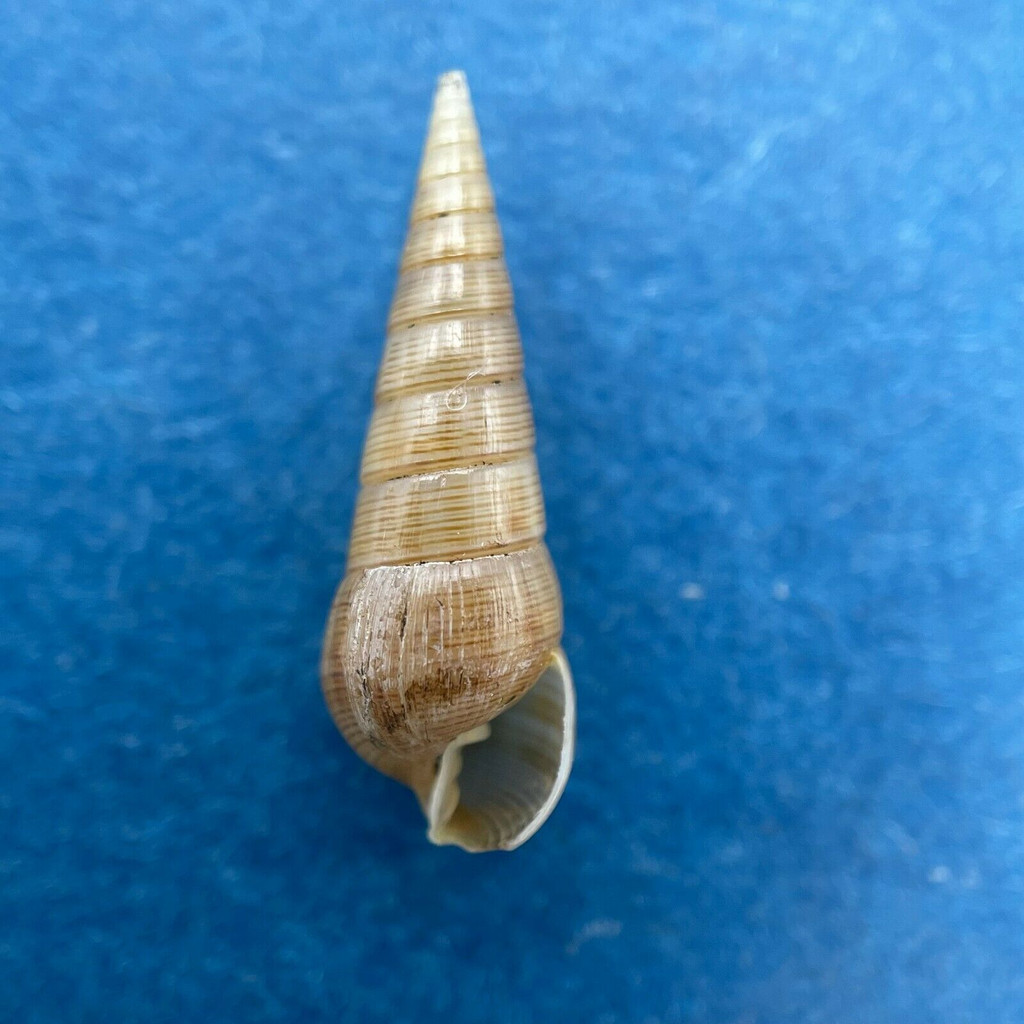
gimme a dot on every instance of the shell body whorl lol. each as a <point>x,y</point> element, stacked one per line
<point>450,611</point>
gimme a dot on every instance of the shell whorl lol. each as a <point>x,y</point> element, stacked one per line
<point>450,609</point>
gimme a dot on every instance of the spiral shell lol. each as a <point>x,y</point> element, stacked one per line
<point>441,662</point>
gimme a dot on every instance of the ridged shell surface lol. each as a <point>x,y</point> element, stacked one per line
<point>450,610</point>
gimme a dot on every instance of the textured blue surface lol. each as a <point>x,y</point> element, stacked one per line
<point>767,259</point>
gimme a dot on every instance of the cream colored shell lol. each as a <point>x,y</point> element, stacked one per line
<point>441,661</point>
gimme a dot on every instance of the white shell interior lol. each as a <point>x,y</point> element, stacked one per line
<point>496,784</point>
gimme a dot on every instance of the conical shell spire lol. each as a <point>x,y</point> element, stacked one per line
<point>441,662</point>
<point>450,394</point>
<point>452,265</point>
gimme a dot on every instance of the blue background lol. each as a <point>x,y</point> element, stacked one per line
<point>767,260</point>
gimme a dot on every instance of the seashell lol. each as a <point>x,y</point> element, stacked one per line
<point>441,662</point>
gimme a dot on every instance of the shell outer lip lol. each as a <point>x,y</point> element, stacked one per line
<point>450,762</point>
